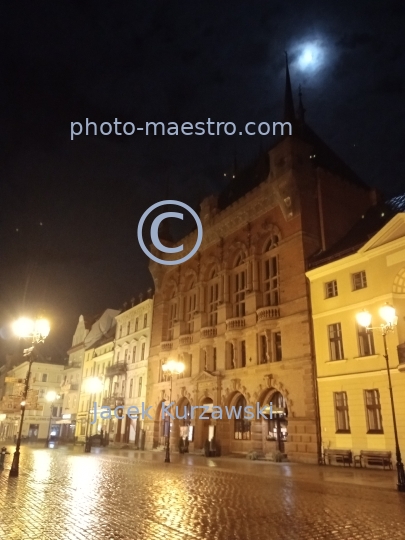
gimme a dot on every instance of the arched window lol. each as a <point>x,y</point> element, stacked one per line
<point>242,425</point>
<point>271,279</point>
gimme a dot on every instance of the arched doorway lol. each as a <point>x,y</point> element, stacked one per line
<point>204,421</point>
<point>181,434</point>
<point>159,428</point>
<point>275,426</point>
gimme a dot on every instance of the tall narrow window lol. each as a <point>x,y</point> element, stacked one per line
<point>136,324</point>
<point>277,350</point>
<point>134,354</point>
<point>240,286</point>
<point>366,341</point>
<point>263,349</point>
<point>128,327</point>
<point>373,411</point>
<point>145,320</point>
<point>190,301</point>
<point>131,387</point>
<point>140,387</point>
<point>341,412</point>
<point>120,331</point>
<point>172,319</point>
<point>243,353</point>
<point>214,359</point>
<point>335,341</point>
<point>213,295</point>
<point>242,425</point>
<point>143,351</point>
<point>271,282</point>
<point>125,355</point>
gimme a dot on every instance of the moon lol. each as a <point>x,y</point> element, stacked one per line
<point>310,56</point>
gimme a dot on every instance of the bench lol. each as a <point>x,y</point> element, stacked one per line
<point>373,457</point>
<point>340,456</point>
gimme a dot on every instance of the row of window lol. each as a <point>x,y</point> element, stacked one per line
<point>238,287</point>
<point>365,340</point>
<point>359,281</point>
<point>118,390</point>
<point>44,377</point>
<point>372,410</point>
<point>130,355</point>
<point>128,326</point>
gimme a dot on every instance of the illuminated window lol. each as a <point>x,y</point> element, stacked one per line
<point>373,411</point>
<point>331,289</point>
<point>359,280</point>
<point>366,341</point>
<point>335,341</point>
<point>341,412</point>
<point>242,426</point>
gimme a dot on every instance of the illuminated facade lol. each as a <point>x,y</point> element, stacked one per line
<point>70,386</point>
<point>351,371</point>
<point>127,375</point>
<point>237,314</point>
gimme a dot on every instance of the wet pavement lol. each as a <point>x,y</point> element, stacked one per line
<point>64,494</point>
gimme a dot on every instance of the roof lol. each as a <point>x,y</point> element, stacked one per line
<point>369,224</point>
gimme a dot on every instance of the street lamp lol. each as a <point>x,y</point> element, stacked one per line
<point>93,386</point>
<point>51,397</point>
<point>172,367</point>
<point>37,331</point>
<point>387,313</point>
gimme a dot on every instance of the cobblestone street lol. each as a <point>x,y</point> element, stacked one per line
<point>126,495</point>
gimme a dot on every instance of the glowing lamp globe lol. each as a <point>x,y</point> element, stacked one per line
<point>42,327</point>
<point>51,395</point>
<point>23,327</point>
<point>94,385</point>
<point>364,318</point>
<point>387,313</point>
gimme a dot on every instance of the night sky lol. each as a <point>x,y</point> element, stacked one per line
<point>69,209</point>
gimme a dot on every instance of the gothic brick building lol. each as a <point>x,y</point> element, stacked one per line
<point>238,313</point>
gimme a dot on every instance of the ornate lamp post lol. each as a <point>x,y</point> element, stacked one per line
<point>93,386</point>
<point>51,397</point>
<point>38,331</point>
<point>387,313</point>
<point>172,367</point>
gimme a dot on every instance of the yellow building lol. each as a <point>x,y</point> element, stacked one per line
<point>365,271</point>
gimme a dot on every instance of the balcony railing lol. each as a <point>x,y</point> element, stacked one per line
<point>235,324</point>
<point>113,401</point>
<point>208,332</point>
<point>269,312</point>
<point>119,368</point>
<point>187,339</point>
<point>166,346</point>
<point>69,387</point>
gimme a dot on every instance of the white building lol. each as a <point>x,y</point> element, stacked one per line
<point>127,376</point>
<point>70,386</point>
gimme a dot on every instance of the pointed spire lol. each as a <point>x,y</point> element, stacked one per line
<point>301,108</point>
<point>289,114</point>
